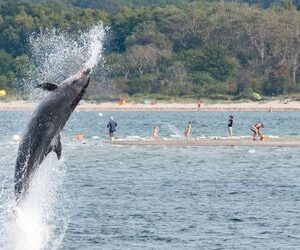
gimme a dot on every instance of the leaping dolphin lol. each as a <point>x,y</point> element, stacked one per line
<point>43,131</point>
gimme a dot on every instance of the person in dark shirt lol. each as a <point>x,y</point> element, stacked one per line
<point>111,125</point>
<point>229,125</point>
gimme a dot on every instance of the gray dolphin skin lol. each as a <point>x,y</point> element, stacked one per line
<point>43,131</point>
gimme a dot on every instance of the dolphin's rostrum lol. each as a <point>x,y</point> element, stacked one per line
<point>43,131</point>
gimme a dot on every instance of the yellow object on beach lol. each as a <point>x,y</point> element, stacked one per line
<point>2,92</point>
<point>256,96</point>
<point>122,102</point>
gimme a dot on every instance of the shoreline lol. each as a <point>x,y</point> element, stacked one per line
<point>271,106</point>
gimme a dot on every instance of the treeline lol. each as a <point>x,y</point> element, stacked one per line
<point>113,6</point>
<point>196,49</point>
<point>208,49</point>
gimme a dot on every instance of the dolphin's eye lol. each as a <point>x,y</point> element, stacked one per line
<point>74,82</point>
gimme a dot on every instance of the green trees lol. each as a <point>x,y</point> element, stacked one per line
<point>188,48</point>
<point>214,61</point>
<point>17,21</point>
<point>10,68</point>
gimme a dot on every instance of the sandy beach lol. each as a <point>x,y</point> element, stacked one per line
<point>269,106</point>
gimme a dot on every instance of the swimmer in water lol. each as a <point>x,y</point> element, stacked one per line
<point>79,137</point>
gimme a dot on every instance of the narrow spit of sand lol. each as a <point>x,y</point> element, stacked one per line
<point>176,107</point>
<point>248,142</point>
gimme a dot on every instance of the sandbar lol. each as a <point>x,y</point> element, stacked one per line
<point>248,142</point>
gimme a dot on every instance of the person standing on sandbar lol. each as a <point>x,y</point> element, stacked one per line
<point>188,130</point>
<point>229,125</point>
<point>111,125</point>
<point>155,133</point>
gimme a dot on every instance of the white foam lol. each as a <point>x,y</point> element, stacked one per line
<point>176,136</point>
<point>137,138</point>
<point>16,138</point>
<point>273,136</point>
<point>35,223</point>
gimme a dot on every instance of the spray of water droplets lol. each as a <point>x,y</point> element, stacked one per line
<point>57,54</point>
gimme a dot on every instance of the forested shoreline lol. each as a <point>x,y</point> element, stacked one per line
<point>216,49</point>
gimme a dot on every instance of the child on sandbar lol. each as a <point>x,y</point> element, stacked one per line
<point>155,133</point>
<point>188,130</point>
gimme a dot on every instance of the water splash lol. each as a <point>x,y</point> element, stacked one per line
<point>57,54</point>
<point>36,223</point>
<point>175,133</point>
<point>95,47</point>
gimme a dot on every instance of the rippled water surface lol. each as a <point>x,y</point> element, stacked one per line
<point>157,197</point>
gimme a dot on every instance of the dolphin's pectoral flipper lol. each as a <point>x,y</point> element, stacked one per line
<point>47,86</point>
<point>57,146</point>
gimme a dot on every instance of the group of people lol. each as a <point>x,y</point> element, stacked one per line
<point>256,129</point>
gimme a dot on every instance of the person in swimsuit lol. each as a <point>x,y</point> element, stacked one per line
<point>188,130</point>
<point>256,129</point>
<point>155,133</point>
<point>199,105</point>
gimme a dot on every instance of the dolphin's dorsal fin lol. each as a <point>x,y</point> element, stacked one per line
<point>47,86</point>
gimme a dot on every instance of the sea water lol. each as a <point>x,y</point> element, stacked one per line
<point>156,197</point>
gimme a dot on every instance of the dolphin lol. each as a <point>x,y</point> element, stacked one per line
<point>42,134</point>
